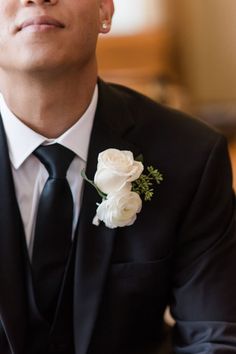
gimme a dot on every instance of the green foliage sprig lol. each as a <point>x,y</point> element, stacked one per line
<point>145,183</point>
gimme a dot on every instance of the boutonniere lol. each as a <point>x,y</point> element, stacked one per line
<point>121,183</point>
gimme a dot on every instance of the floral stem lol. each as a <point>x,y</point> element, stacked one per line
<point>83,174</point>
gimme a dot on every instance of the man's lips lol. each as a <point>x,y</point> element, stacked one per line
<point>40,21</point>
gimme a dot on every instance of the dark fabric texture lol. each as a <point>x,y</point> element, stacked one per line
<point>53,229</point>
<point>181,251</point>
<point>54,337</point>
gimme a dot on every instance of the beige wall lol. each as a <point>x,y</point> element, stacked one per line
<point>206,34</point>
<point>134,16</point>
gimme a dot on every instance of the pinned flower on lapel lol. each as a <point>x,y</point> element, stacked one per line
<point>120,183</point>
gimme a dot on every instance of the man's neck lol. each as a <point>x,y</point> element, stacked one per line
<point>52,105</point>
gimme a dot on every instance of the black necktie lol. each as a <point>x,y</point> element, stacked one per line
<point>53,229</point>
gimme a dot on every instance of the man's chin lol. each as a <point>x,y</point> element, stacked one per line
<point>34,63</point>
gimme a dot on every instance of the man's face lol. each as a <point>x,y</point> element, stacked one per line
<point>36,35</point>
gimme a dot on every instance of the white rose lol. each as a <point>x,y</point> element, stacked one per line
<point>115,170</point>
<point>119,209</point>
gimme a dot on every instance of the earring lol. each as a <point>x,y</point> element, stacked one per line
<point>104,25</point>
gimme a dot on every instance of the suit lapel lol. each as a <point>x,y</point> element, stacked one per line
<point>12,300</point>
<point>95,243</point>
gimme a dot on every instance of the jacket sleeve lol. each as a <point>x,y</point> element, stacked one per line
<point>204,281</point>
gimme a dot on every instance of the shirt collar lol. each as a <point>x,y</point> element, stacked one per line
<point>22,140</point>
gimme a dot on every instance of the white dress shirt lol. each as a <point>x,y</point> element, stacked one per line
<point>30,175</point>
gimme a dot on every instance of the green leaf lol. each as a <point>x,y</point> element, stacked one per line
<point>139,158</point>
<point>143,185</point>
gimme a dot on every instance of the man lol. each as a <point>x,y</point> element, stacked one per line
<point>102,290</point>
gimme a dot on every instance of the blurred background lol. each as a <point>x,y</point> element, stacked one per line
<point>179,52</point>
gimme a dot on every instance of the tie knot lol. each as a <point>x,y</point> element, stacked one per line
<point>56,159</point>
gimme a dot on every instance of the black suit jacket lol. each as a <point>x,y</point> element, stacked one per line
<point>181,250</point>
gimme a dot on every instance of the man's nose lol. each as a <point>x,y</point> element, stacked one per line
<point>38,2</point>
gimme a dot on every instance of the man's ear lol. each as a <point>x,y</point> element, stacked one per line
<point>106,11</point>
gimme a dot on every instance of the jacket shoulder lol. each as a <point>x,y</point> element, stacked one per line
<point>149,114</point>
